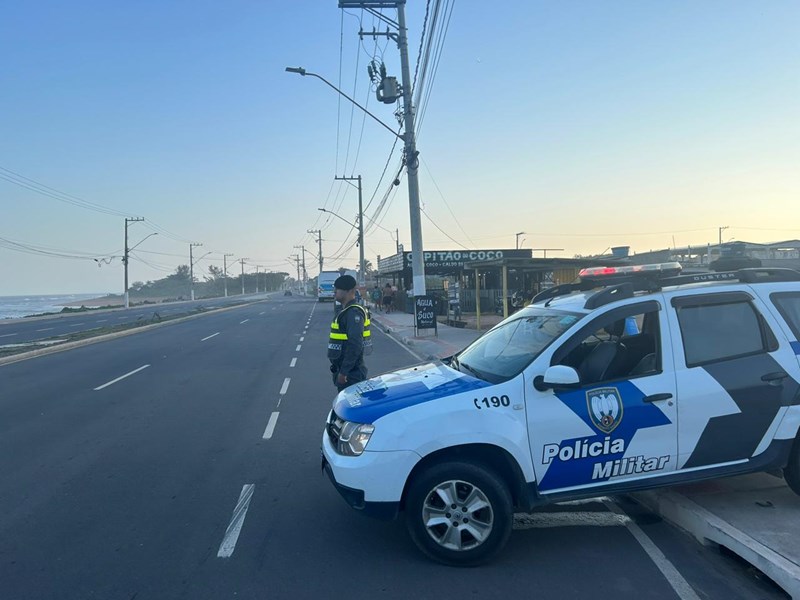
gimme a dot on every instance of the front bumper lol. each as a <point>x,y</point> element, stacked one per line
<point>355,498</point>
<point>372,483</point>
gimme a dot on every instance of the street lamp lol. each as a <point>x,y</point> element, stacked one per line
<point>408,138</point>
<point>330,212</point>
<point>517,236</point>
<point>303,72</point>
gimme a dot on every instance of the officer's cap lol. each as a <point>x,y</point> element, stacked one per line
<point>345,282</point>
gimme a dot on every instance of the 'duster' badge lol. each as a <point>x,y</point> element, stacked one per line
<point>605,408</point>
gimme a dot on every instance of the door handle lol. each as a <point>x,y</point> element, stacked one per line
<point>657,397</point>
<point>774,377</point>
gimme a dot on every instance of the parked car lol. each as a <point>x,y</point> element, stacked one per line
<point>632,378</point>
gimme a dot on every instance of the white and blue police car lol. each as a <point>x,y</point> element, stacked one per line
<point>632,378</point>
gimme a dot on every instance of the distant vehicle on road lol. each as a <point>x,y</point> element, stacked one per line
<point>287,292</point>
<point>325,283</point>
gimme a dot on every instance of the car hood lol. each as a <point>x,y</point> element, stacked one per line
<point>369,400</point>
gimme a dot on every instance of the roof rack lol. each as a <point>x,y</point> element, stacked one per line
<point>618,286</point>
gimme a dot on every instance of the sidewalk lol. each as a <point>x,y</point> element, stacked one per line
<point>427,346</point>
<point>755,516</point>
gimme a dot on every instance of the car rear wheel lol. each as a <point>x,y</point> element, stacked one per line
<point>459,514</point>
<point>792,471</point>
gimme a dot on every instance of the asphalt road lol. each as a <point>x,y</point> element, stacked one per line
<point>19,331</point>
<point>128,488</point>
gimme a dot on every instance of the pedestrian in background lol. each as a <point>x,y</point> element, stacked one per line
<point>350,336</point>
<point>387,298</point>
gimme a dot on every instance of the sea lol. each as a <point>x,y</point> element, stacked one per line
<point>16,307</point>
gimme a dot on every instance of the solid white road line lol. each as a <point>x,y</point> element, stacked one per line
<point>294,362</point>
<point>102,320</point>
<point>231,536</point>
<point>298,348</point>
<point>285,385</point>
<point>402,345</point>
<point>124,317</point>
<point>113,381</point>
<point>46,329</point>
<point>668,570</point>
<point>243,322</point>
<point>8,334</point>
<point>273,420</point>
<point>209,337</point>
<point>77,324</point>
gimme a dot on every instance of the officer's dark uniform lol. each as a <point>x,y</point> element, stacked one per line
<point>350,340</point>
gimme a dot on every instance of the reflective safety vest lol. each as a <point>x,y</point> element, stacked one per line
<point>338,337</point>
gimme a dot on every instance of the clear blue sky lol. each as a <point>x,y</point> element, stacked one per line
<point>586,124</point>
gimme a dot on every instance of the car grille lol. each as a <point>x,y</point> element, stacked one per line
<point>335,425</point>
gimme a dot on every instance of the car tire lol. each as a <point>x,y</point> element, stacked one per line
<point>791,473</point>
<point>459,537</point>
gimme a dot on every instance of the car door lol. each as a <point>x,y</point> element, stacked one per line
<point>732,377</point>
<point>619,424</point>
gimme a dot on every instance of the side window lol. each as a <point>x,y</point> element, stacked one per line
<point>619,344</point>
<point>788,304</point>
<point>716,332</point>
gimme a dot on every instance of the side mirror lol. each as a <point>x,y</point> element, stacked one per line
<point>557,377</point>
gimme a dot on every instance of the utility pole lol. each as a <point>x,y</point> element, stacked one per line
<point>191,268</point>
<point>304,268</point>
<point>319,241</point>
<point>241,260</point>
<point>296,259</point>
<point>397,240</point>
<point>411,159</point>
<point>361,274</point>
<point>125,257</point>
<point>257,268</point>
<point>225,272</point>
<point>721,229</point>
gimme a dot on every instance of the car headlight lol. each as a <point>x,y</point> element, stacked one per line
<point>353,438</point>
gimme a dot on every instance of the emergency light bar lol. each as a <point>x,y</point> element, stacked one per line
<point>668,269</point>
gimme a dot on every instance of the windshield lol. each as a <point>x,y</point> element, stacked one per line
<point>507,349</point>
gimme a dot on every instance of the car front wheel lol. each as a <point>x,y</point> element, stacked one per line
<point>459,514</point>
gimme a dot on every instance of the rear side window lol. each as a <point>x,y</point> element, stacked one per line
<point>788,304</point>
<point>715,332</point>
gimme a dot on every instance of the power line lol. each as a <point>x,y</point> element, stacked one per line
<point>442,230</point>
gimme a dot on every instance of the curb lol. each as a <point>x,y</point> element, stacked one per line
<point>709,529</point>
<point>110,336</point>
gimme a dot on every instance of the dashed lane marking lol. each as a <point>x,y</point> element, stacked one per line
<point>298,348</point>
<point>8,334</point>
<point>285,385</point>
<point>294,362</point>
<point>302,338</point>
<point>231,536</point>
<point>210,336</point>
<point>113,381</point>
<point>46,329</point>
<point>243,322</point>
<point>273,420</point>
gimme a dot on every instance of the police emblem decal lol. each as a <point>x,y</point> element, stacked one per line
<point>605,408</point>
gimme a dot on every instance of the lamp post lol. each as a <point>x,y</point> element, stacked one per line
<point>409,141</point>
<point>517,237</point>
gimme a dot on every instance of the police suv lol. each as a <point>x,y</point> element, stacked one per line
<point>632,378</point>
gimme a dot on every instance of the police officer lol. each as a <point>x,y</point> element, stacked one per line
<point>350,336</point>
